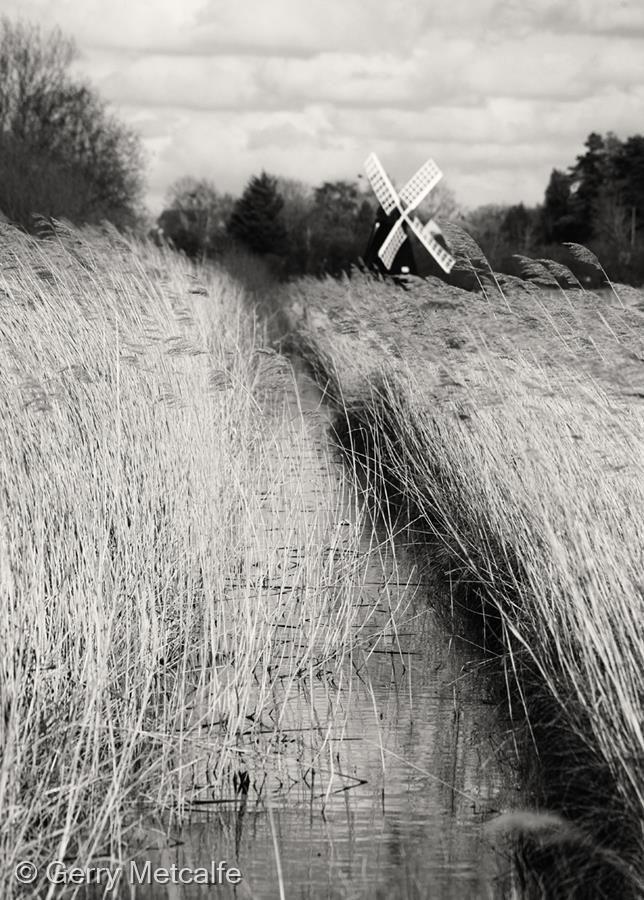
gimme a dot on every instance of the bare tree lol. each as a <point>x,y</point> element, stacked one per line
<point>62,152</point>
<point>441,204</point>
<point>196,216</point>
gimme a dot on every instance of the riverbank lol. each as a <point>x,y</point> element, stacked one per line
<point>507,432</point>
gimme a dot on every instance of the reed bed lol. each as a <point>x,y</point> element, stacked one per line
<point>150,640</point>
<point>506,430</point>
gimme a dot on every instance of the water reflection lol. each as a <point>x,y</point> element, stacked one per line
<point>417,756</point>
<point>416,762</point>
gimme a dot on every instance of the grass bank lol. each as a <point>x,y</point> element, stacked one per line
<point>507,429</point>
<point>149,648</point>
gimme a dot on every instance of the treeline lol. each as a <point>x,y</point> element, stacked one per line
<point>61,152</point>
<point>298,229</point>
<point>598,202</point>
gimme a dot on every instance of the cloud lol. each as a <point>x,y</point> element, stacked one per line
<point>445,70</point>
<point>229,147</point>
<point>500,120</point>
<point>287,136</point>
<point>118,25</point>
<point>625,17</point>
<point>216,83</point>
<point>366,26</point>
<point>498,91</point>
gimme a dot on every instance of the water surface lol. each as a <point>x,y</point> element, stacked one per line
<point>418,757</point>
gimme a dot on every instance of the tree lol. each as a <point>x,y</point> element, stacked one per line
<point>519,228</point>
<point>441,204</point>
<point>590,173</point>
<point>200,194</point>
<point>196,216</point>
<point>485,225</point>
<point>33,81</point>
<point>612,223</point>
<point>502,231</point>
<point>586,178</point>
<point>341,220</point>
<point>558,222</point>
<point>296,216</point>
<point>629,177</point>
<point>255,220</point>
<point>61,152</point>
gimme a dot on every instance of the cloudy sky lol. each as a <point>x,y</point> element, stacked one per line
<point>498,92</point>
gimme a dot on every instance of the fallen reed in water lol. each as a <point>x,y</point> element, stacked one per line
<point>507,428</point>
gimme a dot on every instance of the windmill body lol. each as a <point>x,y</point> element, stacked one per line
<point>412,258</point>
<point>399,239</point>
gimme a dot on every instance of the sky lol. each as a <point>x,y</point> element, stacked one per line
<point>497,92</point>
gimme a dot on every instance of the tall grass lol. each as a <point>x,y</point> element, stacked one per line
<point>507,428</point>
<point>147,518</point>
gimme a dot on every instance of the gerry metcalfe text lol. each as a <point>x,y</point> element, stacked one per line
<point>133,872</point>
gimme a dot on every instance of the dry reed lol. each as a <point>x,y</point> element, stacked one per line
<point>508,427</point>
<point>149,515</point>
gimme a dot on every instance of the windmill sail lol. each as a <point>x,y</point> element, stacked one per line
<point>392,244</point>
<point>413,193</point>
<point>382,187</point>
<point>425,234</point>
<point>420,184</point>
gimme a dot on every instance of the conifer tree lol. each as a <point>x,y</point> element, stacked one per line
<point>256,220</point>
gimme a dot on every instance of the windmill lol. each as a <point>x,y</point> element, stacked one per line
<point>399,207</point>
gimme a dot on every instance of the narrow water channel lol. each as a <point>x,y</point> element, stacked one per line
<point>417,760</point>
